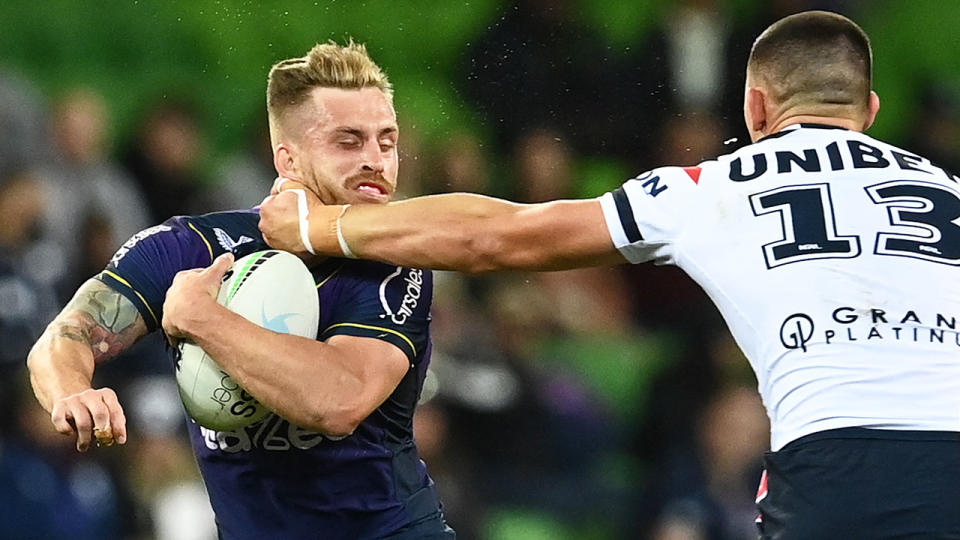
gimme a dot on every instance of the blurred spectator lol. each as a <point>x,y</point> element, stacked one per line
<point>706,490</point>
<point>539,64</point>
<point>678,308</point>
<point>23,125</point>
<point>51,492</point>
<point>412,179</point>
<point>244,178</point>
<point>463,165</point>
<point>28,273</point>
<point>691,137</point>
<point>534,431</point>
<point>544,166</point>
<point>163,473</point>
<point>450,467</point>
<point>692,60</point>
<point>89,197</point>
<point>166,157</point>
<point>935,128</point>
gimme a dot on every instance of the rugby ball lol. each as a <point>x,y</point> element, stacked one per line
<point>271,288</point>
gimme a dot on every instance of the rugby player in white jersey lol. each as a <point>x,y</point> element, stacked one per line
<point>832,256</point>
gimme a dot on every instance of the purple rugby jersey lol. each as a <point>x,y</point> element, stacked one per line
<point>274,479</point>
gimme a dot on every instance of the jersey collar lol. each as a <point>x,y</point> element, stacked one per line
<point>793,127</point>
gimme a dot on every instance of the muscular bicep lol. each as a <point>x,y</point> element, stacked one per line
<point>558,235</point>
<point>101,318</point>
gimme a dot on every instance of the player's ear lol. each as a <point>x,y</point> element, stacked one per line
<point>873,107</point>
<point>284,162</point>
<point>755,107</point>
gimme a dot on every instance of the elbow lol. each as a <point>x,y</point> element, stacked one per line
<point>34,355</point>
<point>335,424</point>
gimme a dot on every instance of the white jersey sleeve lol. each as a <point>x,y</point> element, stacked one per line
<point>647,214</point>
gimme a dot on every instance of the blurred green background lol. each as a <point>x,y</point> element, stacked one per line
<point>220,51</point>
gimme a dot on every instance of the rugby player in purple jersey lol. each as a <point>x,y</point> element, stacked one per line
<point>338,458</point>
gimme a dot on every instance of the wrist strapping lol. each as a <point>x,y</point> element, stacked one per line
<point>344,247</point>
<point>303,211</point>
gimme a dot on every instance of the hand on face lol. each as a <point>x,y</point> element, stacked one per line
<point>88,414</point>
<point>191,296</point>
<point>280,215</point>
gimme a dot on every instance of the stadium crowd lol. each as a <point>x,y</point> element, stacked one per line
<point>565,405</point>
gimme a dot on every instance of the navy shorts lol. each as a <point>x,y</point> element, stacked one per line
<point>855,483</point>
<point>433,528</point>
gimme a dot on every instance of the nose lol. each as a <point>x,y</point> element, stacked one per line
<point>373,160</point>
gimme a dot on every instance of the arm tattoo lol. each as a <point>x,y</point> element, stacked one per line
<point>101,318</point>
<point>74,332</point>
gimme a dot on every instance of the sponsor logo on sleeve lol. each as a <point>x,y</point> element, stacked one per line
<point>413,279</point>
<point>128,245</point>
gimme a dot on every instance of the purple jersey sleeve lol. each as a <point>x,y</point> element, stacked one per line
<point>144,266</point>
<point>374,300</point>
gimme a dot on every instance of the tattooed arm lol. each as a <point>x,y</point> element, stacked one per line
<point>97,324</point>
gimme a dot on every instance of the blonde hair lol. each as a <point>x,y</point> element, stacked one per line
<point>327,65</point>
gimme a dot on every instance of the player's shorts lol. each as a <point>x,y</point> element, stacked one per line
<point>857,483</point>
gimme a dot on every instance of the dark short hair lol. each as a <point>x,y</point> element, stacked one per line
<point>814,58</point>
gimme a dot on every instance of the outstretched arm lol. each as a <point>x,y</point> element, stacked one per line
<point>97,324</point>
<point>459,231</point>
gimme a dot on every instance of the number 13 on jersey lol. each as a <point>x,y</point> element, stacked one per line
<point>926,217</point>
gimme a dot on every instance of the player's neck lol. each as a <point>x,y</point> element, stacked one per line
<point>786,121</point>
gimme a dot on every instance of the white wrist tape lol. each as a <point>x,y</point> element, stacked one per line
<point>344,247</point>
<point>304,213</point>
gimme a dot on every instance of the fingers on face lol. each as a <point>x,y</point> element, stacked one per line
<point>283,184</point>
<point>277,184</point>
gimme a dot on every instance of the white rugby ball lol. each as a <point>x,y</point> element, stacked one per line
<point>271,288</point>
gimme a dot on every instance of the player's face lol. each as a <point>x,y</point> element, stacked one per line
<point>348,150</point>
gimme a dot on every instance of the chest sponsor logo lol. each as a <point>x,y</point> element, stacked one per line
<point>273,434</point>
<point>846,324</point>
<point>413,288</point>
<point>128,245</point>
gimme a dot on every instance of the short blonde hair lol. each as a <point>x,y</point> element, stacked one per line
<point>327,65</point>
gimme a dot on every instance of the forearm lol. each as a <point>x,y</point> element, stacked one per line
<point>448,232</point>
<point>98,323</point>
<point>301,379</point>
<point>475,234</point>
<point>59,365</point>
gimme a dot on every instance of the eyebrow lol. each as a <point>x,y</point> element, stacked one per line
<point>359,133</point>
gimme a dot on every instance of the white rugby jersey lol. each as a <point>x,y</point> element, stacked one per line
<point>834,259</point>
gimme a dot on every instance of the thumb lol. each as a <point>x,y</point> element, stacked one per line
<point>220,265</point>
